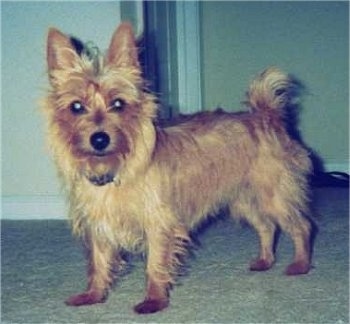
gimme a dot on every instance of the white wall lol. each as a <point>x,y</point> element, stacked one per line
<point>27,170</point>
<point>309,39</point>
<point>230,55</point>
<point>28,174</point>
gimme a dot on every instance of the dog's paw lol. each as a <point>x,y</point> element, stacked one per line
<point>149,306</point>
<point>87,298</point>
<point>260,265</point>
<point>298,268</point>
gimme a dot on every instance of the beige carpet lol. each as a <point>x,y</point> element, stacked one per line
<point>42,265</point>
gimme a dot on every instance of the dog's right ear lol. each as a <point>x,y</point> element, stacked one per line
<point>61,53</point>
<point>122,51</point>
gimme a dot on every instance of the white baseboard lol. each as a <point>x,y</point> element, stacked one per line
<point>54,207</point>
<point>341,167</point>
<point>33,207</point>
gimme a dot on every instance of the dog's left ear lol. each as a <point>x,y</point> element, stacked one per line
<point>123,50</point>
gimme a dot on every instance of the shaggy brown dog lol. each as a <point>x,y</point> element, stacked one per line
<point>137,187</point>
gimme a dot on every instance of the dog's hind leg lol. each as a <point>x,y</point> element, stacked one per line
<point>266,231</point>
<point>246,208</point>
<point>287,211</point>
<point>299,230</point>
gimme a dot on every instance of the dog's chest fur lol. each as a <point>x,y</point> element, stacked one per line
<point>110,213</point>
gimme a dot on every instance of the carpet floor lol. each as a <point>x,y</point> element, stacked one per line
<point>42,265</point>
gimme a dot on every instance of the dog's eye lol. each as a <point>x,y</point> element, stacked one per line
<point>117,104</point>
<point>77,108</point>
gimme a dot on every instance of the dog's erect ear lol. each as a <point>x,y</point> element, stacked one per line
<point>60,51</point>
<point>123,50</point>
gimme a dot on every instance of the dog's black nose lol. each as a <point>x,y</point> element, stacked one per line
<point>100,140</point>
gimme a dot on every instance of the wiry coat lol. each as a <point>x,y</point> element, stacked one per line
<point>150,186</point>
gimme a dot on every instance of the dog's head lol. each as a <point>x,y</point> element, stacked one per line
<point>99,112</point>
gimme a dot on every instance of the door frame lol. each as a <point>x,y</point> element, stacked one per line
<point>188,56</point>
<point>173,61</point>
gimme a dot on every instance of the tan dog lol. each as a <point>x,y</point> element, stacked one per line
<point>137,187</point>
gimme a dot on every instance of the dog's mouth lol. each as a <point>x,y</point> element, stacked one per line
<point>100,168</point>
<point>98,154</point>
<point>101,174</point>
<point>102,180</point>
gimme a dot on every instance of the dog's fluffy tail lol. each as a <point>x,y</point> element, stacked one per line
<point>272,90</point>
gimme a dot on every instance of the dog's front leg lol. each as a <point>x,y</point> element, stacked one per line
<point>100,256</point>
<point>159,268</point>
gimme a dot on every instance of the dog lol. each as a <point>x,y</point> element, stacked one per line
<point>135,186</point>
